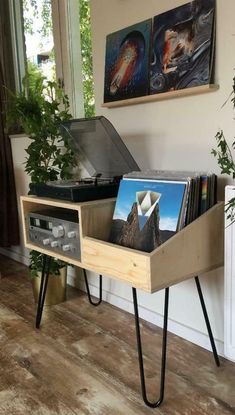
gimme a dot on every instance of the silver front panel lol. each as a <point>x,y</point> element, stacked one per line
<point>42,230</point>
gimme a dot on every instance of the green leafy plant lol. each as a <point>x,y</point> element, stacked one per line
<point>225,159</point>
<point>39,109</point>
<point>36,264</point>
<point>86,52</point>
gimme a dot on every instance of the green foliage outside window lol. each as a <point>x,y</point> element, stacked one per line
<point>45,14</point>
<point>86,51</point>
<point>85,32</point>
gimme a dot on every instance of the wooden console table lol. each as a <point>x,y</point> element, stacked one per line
<point>196,249</point>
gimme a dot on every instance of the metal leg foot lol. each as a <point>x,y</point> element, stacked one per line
<point>43,288</point>
<point>207,321</point>
<point>88,290</point>
<point>140,354</point>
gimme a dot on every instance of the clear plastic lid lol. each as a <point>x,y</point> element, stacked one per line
<point>99,147</point>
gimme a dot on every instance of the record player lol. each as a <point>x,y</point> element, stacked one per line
<point>102,153</point>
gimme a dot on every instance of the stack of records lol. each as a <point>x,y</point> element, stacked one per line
<point>153,205</point>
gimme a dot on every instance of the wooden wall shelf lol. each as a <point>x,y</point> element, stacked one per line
<point>196,249</point>
<point>165,95</point>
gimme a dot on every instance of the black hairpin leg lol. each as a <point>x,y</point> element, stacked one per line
<point>207,321</point>
<point>88,290</point>
<point>43,288</point>
<point>140,354</point>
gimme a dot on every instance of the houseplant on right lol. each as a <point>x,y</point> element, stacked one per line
<point>225,160</point>
<point>39,109</point>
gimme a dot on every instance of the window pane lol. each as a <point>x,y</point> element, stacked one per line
<point>37,15</point>
<point>86,52</point>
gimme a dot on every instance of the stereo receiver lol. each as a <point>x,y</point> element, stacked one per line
<point>55,229</point>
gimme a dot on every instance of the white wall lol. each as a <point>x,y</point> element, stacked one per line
<point>18,144</point>
<point>173,134</point>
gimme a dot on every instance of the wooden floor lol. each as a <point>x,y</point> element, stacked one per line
<point>83,360</point>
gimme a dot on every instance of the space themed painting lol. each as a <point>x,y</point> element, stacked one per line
<point>182,47</point>
<point>127,62</point>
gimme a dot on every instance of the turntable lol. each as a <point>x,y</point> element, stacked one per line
<point>101,152</point>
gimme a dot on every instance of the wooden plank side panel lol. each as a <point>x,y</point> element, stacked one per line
<point>65,258</point>
<point>62,203</point>
<point>96,219</point>
<point>196,249</point>
<point>132,267</point>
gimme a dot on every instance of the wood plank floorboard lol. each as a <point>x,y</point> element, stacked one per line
<point>83,360</point>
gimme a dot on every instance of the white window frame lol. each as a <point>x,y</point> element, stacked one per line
<point>65,15</point>
<point>18,43</point>
<point>66,33</point>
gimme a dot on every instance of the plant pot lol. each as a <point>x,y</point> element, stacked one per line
<point>56,287</point>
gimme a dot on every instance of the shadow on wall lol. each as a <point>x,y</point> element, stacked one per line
<point>140,146</point>
<point>22,181</point>
<point>222,182</point>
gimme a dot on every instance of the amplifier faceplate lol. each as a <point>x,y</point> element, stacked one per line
<point>55,229</point>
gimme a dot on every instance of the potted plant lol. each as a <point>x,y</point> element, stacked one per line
<point>225,160</point>
<point>38,110</point>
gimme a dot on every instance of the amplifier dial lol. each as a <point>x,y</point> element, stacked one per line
<point>66,248</point>
<point>58,231</point>
<point>46,241</point>
<point>71,234</point>
<point>54,244</point>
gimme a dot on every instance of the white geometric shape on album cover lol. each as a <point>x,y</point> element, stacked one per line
<point>146,202</point>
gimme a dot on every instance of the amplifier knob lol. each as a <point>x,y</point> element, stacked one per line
<point>66,248</point>
<point>46,241</point>
<point>58,231</point>
<point>54,244</point>
<point>71,234</point>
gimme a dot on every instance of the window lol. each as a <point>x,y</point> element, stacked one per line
<point>38,36</point>
<point>46,35</point>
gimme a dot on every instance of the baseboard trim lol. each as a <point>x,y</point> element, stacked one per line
<point>174,327</point>
<point>15,255</point>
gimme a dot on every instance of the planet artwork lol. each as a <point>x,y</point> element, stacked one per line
<point>127,62</point>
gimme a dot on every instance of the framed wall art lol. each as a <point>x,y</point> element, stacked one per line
<point>182,47</point>
<point>127,62</point>
<point>172,52</point>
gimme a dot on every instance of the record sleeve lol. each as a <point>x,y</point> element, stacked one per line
<point>148,212</point>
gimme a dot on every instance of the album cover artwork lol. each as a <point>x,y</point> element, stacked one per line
<point>147,212</point>
<point>127,62</point>
<point>182,47</point>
